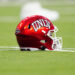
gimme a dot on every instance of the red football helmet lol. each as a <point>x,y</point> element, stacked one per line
<point>36,32</point>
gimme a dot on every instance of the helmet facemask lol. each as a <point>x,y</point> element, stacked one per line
<point>57,41</point>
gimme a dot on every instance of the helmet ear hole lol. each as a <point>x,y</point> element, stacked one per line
<point>42,48</point>
<point>29,26</point>
<point>45,41</point>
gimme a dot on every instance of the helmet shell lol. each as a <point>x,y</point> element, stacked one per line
<point>31,31</point>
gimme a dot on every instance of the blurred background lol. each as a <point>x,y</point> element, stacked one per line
<point>11,13</point>
<point>61,13</point>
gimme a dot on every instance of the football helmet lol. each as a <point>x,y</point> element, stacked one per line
<point>37,32</point>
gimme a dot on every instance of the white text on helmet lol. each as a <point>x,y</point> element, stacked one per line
<point>40,23</point>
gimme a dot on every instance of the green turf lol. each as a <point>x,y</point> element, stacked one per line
<point>38,62</point>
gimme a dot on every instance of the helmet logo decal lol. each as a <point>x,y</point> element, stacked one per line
<point>40,23</point>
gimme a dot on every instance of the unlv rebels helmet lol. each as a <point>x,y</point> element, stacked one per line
<point>35,32</point>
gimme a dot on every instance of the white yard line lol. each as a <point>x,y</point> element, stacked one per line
<point>69,48</point>
<point>16,47</point>
<point>9,48</point>
<point>64,50</point>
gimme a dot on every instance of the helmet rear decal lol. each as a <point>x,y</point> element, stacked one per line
<point>17,31</point>
<point>40,23</point>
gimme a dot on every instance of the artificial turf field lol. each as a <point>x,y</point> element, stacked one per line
<point>38,62</point>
